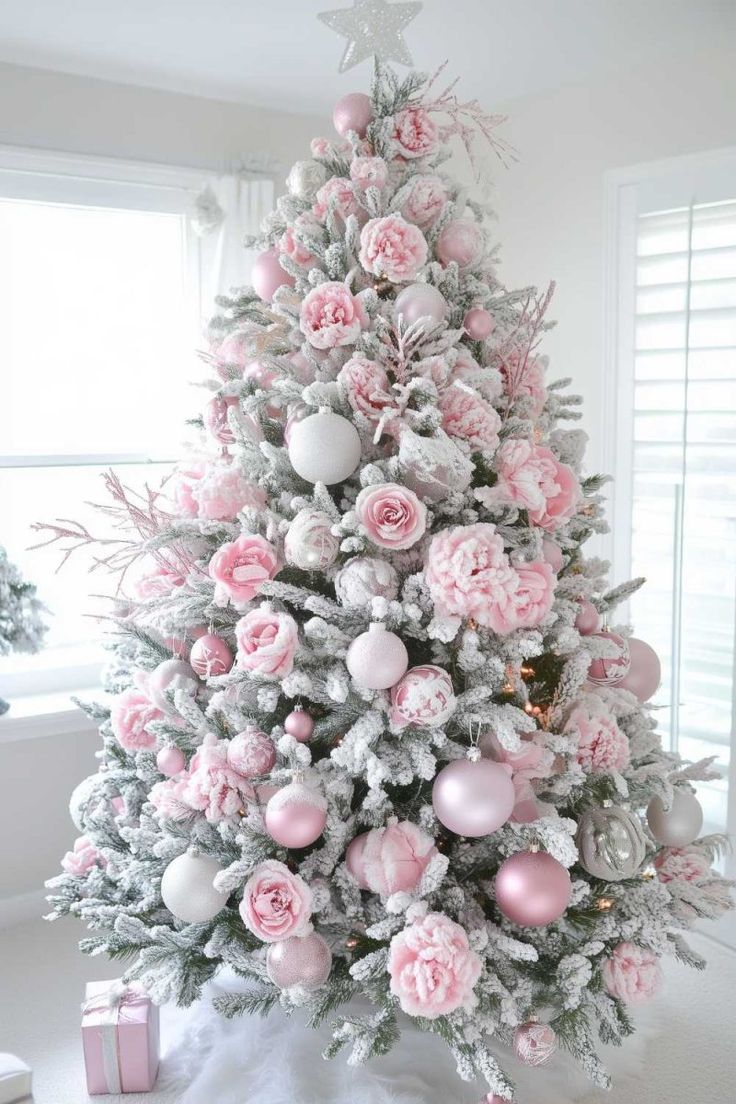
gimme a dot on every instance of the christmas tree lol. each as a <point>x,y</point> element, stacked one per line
<point>373,730</point>
<point>21,614</point>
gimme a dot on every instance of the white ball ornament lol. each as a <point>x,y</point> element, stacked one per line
<point>187,888</point>
<point>171,675</point>
<point>679,825</point>
<point>377,659</point>
<point>309,543</point>
<point>305,179</point>
<point>324,448</point>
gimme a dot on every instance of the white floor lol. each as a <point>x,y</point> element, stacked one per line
<point>690,1058</point>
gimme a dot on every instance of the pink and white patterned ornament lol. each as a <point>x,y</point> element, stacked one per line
<point>210,656</point>
<point>299,724</point>
<point>251,753</point>
<point>296,815</point>
<point>424,696</point>
<point>610,671</point>
<point>534,1043</point>
<point>303,960</point>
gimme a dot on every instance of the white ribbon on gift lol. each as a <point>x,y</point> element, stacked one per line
<point>108,1004</point>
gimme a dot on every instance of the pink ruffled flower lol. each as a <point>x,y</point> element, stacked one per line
<point>467,369</point>
<point>469,575</point>
<point>291,245</point>
<point>276,903</point>
<point>337,193</point>
<point>425,202</point>
<point>331,316</point>
<point>240,567</point>
<point>155,578</point>
<point>168,800</point>
<point>223,491</point>
<point>392,248</point>
<point>182,487</point>
<point>415,133</point>
<point>391,859</point>
<point>561,491</point>
<point>434,368</point>
<point>533,761</point>
<point>632,974</point>
<point>535,591</point>
<point>524,379</point>
<point>213,787</point>
<point>82,858</point>
<point>267,642</point>
<point>681,864</point>
<point>392,515</point>
<point>320,147</point>
<point>602,746</point>
<point>367,387</point>
<point>369,172</point>
<point>433,968</point>
<point>467,416</point>
<point>130,714</point>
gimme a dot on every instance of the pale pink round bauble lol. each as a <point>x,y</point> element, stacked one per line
<point>534,1043</point>
<point>420,301</point>
<point>532,889</point>
<point>377,659</point>
<point>588,620</point>
<point>354,859</point>
<point>296,816</point>
<point>461,241</point>
<point>680,824</point>
<point>299,724</point>
<point>304,960</point>
<point>645,672</point>
<point>473,798</point>
<point>478,324</point>
<point>352,112</point>
<point>210,656</point>
<point>267,275</point>
<point>171,761</point>
<point>251,753</point>
<point>552,554</point>
<point>610,671</point>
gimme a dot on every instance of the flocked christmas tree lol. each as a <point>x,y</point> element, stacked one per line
<point>370,732</point>
<point>22,627</point>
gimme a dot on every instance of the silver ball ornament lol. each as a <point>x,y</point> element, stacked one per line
<point>611,843</point>
<point>679,825</point>
<point>305,179</point>
<point>324,448</point>
<point>187,888</point>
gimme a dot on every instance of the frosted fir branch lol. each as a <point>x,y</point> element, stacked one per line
<point>619,594</point>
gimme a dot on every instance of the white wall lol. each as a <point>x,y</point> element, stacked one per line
<point>551,204</point>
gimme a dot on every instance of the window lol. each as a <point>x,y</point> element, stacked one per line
<point>672,383</point>
<point>98,331</point>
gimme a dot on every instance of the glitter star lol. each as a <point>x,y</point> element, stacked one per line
<point>372,27</point>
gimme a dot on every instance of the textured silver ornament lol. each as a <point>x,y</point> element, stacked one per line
<point>372,28</point>
<point>305,179</point>
<point>611,843</point>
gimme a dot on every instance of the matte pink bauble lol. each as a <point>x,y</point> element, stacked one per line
<point>552,554</point>
<point>478,324</point>
<point>461,241</point>
<point>609,672</point>
<point>473,798</point>
<point>532,889</point>
<point>534,1043</point>
<point>210,656</point>
<point>251,753</point>
<point>299,724</point>
<point>171,675</point>
<point>267,275</point>
<point>377,659</point>
<point>354,859</point>
<point>645,672</point>
<point>304,960</point>
<point>171,761</point>
<point>352,112</point>
<point>296,815</point>
<point>420,301</point>
<point>215,418</point>
<point>588,620</point>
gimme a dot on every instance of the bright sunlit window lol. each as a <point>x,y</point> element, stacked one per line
<point>97,282</point>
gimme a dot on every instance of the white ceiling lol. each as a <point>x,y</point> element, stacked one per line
<point>275,52</point>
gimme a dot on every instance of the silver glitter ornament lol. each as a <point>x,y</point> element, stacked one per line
<point>611,843</point>
<point>305,179</point>
<point>372,28</point>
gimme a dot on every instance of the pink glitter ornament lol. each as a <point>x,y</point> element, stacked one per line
<point>251,753</point>
<point>610,671</point>
<point>267,275</point>
<point>377,659</point>
<point>473,798</point>
<point>532,889</point>
<point>352,112</point>
<point>645,672</point>
<point>296,815</point>
<point>461,241</point>
<point>534,1043</point>
<point>299,724</point>
<point>171,761</point>
<point>210,656</point>
<point>588,620</point>
<point>478,324</point>
<point>304,960</point>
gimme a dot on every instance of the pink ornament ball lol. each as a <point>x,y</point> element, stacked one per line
<point>532,889</point>
<point>645,672</point>
<point>171,761</point>
<point>299,724</point>
<point>478,324</point>
<point>377,659</point>
<point>588,620</point>
<point>534,1043</point>
<point>420,302</point>
<point>251,753</point>
<point>354,859</point>
<point>296,816</point>
<point>210,656</point>
<point>215,418</point>
<point>461,241</point>
<point>552,554</point>
<point>267,275</point>
<point>610,671</point>
<point>352,112</point>
<point>424,696</point>
<point>304,960</point>
<point>473,798</point>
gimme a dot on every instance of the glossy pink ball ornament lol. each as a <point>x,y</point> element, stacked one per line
<point>304,960</point>
<point>461,241</point>
<point>352,112</point>
<point>588,620</point>
<point>171,761</point>
<point>377,659</point>
<point>251,753</point>
<point>299,724</point>
<point>552,554</point>
<point>420,302</point>
<point>210,656</point>
<point>215,418</point>
<point>267,275</point>
<point>645,672</point>
<point>534,1043</point>
<point>532,889</point>
<point>610,671</point>
<point>354,859</point>
<point>473,798</point>
<point>296,815</point>
<point>679,825</point>
<point>478,324</point>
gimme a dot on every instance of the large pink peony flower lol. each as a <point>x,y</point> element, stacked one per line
<point>392,515</point>
<point>367,387</point>
<point>168,800</point>
<point>681,864</point>
<point>369,172</point>
<point>390,859</point>
<point>466,368</point>
<point>337,193</point>
<point>393,248</point>
<point>425,201</point>
<point>534,593</point>
<point>154,578</point>
<point>291,245</point>
<point>331,316</point>
<point>130,714</point>
<point>267,642</point>
<point>632,974</point>
<point>531,762</point>
<point>523,378</point>
<point>213,787</point>
<point>276,903</point>
<point>82,858</point>
<point>561,491</point>
<point>415,133</point>
<point>602,746</point>
<point>469,575</point>
<point>223,491</point>
<point>432,967</point>
<point>469,417</point>
<point>240,567</point>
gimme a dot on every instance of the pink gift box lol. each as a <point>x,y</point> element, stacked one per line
<point>120,1037</point>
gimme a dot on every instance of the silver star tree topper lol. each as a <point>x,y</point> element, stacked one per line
<point>372,28</point>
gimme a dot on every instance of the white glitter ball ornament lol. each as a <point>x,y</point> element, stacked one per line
<point>305,179</point>
<point>187,888</point>
<point>377,659</point>
<point>171,675</point>
<point>309,544</point>
<point>324,448</point>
